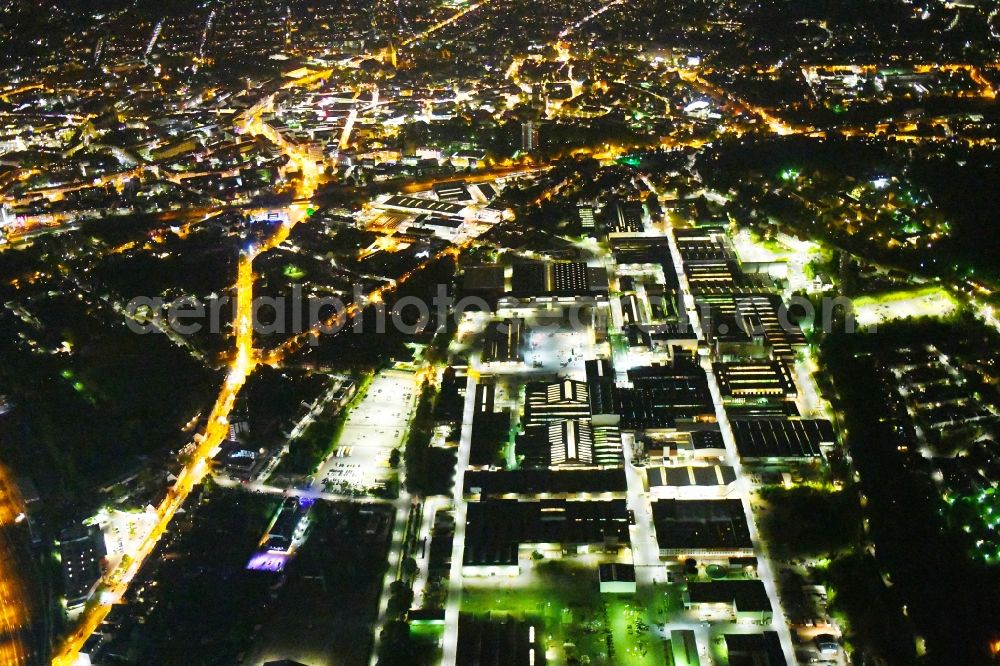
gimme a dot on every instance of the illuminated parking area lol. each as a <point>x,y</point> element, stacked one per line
<point>123,532</point>
<point>374,427</point>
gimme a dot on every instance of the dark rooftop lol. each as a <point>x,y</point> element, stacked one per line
<point>701,525</point>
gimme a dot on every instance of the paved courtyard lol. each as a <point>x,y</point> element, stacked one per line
<point>374,427</point>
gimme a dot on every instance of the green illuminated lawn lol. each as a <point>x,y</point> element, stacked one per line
<point>293,272</point>
<point>904,295</point>
<point>579,621</point>
<point>429,637</point>
<point>633,644</point>
<point>931,301</point>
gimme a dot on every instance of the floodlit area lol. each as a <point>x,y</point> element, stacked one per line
<point>808,400</point>
<point>783,247</point>
<point>559,350</point>
<point>124,531</point>
<point>788,257</point>
<point>578,622</point>
<point>374,427</point>
<point>929,302</point>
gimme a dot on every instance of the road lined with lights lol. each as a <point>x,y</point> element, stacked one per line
<point>339,318</point>
<point>453,605</point>
<point>216,430</point>
<point>567,31</point>
<point>743,488</point>
<point>244,360</point>
<point>15,603</point>
<point>443,24</point>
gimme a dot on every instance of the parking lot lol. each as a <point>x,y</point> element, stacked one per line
<point>374,427</point>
